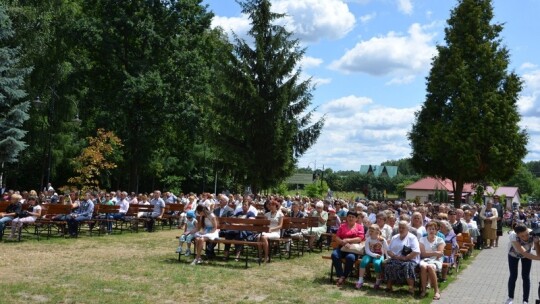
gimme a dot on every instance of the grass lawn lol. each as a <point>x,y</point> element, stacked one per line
<point>143,268</point>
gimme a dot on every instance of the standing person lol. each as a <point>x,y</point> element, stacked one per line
<point>350,232</point>
<point>489,215</point>
<point>500,212</point>
<point>521,243</point>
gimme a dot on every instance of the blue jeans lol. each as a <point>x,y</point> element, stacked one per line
<point>350,258</point>
<point>3,221</point>
<point>525,276</point>
<point>73,223</point>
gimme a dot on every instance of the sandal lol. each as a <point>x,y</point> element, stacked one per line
<point>359,285</point>
<point>423,294</point>
<point>340,281</point>
<point>437,296</point>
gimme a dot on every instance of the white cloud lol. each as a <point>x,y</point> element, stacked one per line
<point>528,102</point>
<point>310,62</point>
<point>238,25</point>
<point>359,132</point>
<point>393,54</point>
<point>309,20</point>
<point>321,81</point>
<point>366,18</point>
<point>312,20</point>
<point>405,6</point>
<point>401,80</point>
<point>528,66</point>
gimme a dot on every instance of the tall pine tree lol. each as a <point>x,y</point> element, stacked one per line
<point>467,129</point>
<point>261,121</point>
<point>13,112</point>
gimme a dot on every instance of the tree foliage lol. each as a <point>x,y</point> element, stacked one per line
<point>261,124</point>
<point>467,129</point>
<point>13,111</point>
<point>97,159</point>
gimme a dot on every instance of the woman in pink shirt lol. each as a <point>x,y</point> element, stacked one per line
<point>348,233</point>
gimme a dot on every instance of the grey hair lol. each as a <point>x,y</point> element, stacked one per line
<point>319,204</point>
<point>447,224</point>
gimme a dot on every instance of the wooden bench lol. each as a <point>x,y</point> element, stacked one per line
<point>105,212</point>
<point>132,215</point>
<point>48,214</point>
<point>172,215</point>
<point>297,240</point>
<point>356,266</point>
<point>327,236</point>
<point>238,224</point>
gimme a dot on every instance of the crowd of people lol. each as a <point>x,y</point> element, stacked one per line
<point>402,240</point>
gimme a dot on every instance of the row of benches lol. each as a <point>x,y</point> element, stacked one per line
<point>260,225</point>
<point>101,218</point>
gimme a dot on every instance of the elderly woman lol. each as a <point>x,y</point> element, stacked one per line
<point>449,238</point>
<point>432,254</point>
<point>489,215</point>
<point>314,233</point>
<point>404,253</point>
<point>386,230</point>
<point>350,232</point>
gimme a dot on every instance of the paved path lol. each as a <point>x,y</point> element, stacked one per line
<point>486,279</point>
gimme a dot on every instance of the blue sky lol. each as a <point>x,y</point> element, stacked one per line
<point>369,60</point>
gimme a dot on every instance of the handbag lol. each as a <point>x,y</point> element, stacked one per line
<point>357,248</point>
<point>406,250</point>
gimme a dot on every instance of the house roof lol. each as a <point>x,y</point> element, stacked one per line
<point>432,183</point>
<point>391,171</point>
<point>506,191</point>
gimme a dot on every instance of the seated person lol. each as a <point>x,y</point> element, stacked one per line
<point>314,233</point>
<point>26,216</point>
<point>432,254</point>
<point>404,253</point>
<point>83,213</point>
<point>376,248</point>
<point>190,228</point>
<point>157,212</point>
<point>14,208</point>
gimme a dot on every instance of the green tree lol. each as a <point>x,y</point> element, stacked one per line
<point>524,180</point>
<point>13,111</point>
<point>258,127</point>
<point>467,129</point>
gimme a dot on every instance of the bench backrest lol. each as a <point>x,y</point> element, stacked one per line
<point>299,223</point>
<point>175,207</point>
<point>3,206</point>
<point>52,210</point>
<point>313,221</point>
<point>240,224</point>
<point>108,209</point>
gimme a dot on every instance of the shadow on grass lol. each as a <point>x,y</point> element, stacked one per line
<point>217,262</point>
